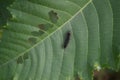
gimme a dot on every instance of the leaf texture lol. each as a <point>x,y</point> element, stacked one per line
<point>38,28</point>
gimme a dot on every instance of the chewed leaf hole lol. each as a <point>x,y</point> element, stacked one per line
<point>41,26</point>
<point>45,27</point>
<point>25,56</point>
<point>32,40</point>
<point>21,59</point>
<point>53,16</point>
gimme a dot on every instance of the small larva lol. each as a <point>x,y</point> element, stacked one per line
<point>67,39</point>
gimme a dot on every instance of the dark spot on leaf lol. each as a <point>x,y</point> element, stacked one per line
<point>41,26</point>
<point>45,27</point>
<point>25,56</point>
<point>53,16</point>
<point>32,40</point>
<point>20,60</point>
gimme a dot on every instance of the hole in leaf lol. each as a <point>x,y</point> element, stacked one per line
<point>25,56</point>
<point>45,27</point>
<point>53,16</point>
<point>20,60</point>
<point>32,40</point>
<point>41,26</point>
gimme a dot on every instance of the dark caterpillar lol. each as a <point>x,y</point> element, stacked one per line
<point>67,39</point>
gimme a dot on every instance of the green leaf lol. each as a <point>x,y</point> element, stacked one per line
<point>116,32</point>
<point>38,28</point>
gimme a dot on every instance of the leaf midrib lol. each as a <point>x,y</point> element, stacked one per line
<point>27,50</point>
<point>59,27</point>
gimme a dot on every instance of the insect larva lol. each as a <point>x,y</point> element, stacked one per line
<point>67,39</point>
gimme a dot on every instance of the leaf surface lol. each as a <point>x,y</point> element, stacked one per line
<point>39,28</point>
